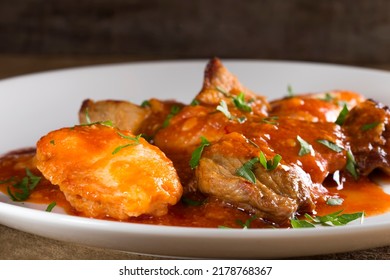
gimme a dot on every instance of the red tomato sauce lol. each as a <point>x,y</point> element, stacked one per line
<point>198,210</point>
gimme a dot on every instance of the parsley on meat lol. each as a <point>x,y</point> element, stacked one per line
<point>342,116</point>
<point>306,148</point>
<point>197,153</point>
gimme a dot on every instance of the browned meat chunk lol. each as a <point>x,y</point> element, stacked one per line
<point>123,114</point>
<point>219,84</point>
<point>276,194</point>
<point>368,128</point>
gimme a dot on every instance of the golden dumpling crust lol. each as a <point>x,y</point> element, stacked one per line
<point>105,172</point>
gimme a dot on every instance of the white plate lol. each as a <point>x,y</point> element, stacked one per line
<point>35,104</point>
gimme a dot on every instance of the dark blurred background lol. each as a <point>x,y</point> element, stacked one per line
<point>77,32</point>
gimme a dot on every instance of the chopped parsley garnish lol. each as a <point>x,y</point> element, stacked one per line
<point>222,107</point>
<point>328,97</point>
<point>134,142</point>
<point>197,153</point>
<point>295,223</point>
<point>336,218</point>
<point>191,202</point>
<point>342,116</point>
<point>290,92</point>
<point>351,165</point>
<point>306,148</point>
<point>246,170</point>
<point>270,164</point>
<point>87,118</point>
<point>105,123</point>
<point>52,142</point>
<point>241,104</point>
<point>270,120</point>
<point>247,223</point>
<point>51,206</point>
<point>244,224</point>
<point>241,119</point>
<point>194,102</point>
<point>335,201</point>
<point>333,219</point>
<point>148,138</point>
<point>145,103</point>
<point>24,187</point>
<point>174,111</point>
<point>89,123</point>
<point>223,91</point>
<point>330,145</point>
<point>370,126</point>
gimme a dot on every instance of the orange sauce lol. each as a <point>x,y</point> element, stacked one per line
<point>363,195</point>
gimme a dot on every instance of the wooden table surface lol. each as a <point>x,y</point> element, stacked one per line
<point>15,244</point>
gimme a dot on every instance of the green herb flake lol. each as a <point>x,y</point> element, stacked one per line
<point>330,145</point>
<point>148,138</point>
<point>270,120</point>
<point>131,138</point>
<point>290,92</point>
<point>342,116</point>
<point>191,202</point>
<point>223,91</point>
<point>241,104</point>
<point>306,148</point>
<point>194,102</point>
<point>269,164</point>
<point>224,227</point>
<point>24,187</point>
<point>52,142</point>
<point>134,142</point>
<point>334,201</point>
<point>333,219</point>
<point>351,165</point>
<point>174,111</point>
<point>197,153</point>
<point>87,118</point>
<point>328,97</point>
<point>12,179</point>
<point>295,223</point>
<point>50,206</point>
<point>105,123</point>
<point>247,223</point>
<point>222,107</point>
<point>241,119</point>
<point>246,172</point>
<point>145,103</point>
<point>336,218</point>
<point>370,126</point>
<point>90,123</point>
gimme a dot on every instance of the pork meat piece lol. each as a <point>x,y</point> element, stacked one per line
<point>221,85</point>
<point>276,194</point>
<point>125,115</point>
<point>368,128</point>
<point>146,119</point>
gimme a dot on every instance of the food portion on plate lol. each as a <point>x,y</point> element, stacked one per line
<point>230,158</point>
